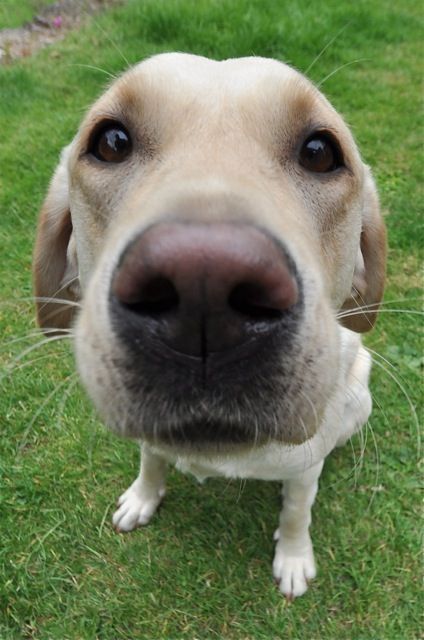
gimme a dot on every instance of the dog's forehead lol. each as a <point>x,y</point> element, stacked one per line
<point>184,81</point>
<point>201,73</point>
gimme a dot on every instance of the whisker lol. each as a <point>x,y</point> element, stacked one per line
<point>55,295</point>
<point>51,395</point>
<point>308,444</point>
<point>67,392</point>
<point>362,433</point>
<point>65,284</point>
<point>367,428</point>
<point>49,317</point>
<point>61,301</point>
<point>309,401</point>
<point>401,387</point>
<point>9,368</point>
<point>317,423</point>
<point>354,312</point>
<point>112,42</point>
<point>242,486</point>
<point>113,76</point>
<point>377,463</point>
<point>347,64</point>
<point>28,363</point>
<point>357,466</point>
<point>378,307</point>
<point>358,295</point>
<point>37,333</point>
<point>358,462</point>
<point>394,301</point>
<point>324,49</point>
<point>398,382</point>
<point>360,309</point>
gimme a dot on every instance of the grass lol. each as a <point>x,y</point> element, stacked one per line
<point>14,13</point>
<point>202,569</point>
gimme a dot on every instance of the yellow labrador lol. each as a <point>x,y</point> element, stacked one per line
<point>215,219</point>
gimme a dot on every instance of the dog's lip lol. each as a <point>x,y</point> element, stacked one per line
<point>234,355</point>
<point>203,434</point>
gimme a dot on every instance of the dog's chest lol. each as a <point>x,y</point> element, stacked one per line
<point>270,462</point>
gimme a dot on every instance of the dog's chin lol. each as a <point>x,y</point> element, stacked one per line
<point>241,411</point>
<point>210,436</point>
<point>205,436</point>
<point>208,426</point>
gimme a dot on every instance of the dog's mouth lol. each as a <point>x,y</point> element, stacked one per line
<point>247,400</point>
<point>213,423</point>
<point>207,434</point>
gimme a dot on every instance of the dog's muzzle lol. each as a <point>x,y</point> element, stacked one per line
<point>206,314</point>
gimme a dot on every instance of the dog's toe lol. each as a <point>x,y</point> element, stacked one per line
<point>293,572</point>
<point>135,508</point>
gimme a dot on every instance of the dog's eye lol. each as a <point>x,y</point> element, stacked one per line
<point>320,154</point>
<point>111,144</point>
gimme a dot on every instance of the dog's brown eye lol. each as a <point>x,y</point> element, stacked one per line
<point>111,144</point>
<point>320,154</point>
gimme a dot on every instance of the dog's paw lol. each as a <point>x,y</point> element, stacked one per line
<point>293,571</point>
<point>136,507</point>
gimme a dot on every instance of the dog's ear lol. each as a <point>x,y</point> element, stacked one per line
<point>55,264</point>
<point>370,267</point>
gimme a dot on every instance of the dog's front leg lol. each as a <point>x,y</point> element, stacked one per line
<point>139,502</point>
<point>294,563</point>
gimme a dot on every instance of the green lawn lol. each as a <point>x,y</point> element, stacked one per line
<point>14,13</point>
<point>203,568</point>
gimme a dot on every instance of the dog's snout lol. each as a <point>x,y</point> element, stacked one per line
<point>203,288</point>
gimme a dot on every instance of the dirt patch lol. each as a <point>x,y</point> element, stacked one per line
<point>49,25</point>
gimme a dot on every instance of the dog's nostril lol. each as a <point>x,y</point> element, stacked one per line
<point>203,289</point>
<point>157,295</point>
<point>253,301</point>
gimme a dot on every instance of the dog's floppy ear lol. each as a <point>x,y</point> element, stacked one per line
<point>370,267</point>
<point>55,264</point>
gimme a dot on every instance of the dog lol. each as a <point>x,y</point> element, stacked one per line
<point>214,239</point>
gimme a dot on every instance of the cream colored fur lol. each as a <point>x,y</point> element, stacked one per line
<point>217,141</point>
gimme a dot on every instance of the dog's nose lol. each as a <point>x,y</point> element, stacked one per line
<point>202,288</point>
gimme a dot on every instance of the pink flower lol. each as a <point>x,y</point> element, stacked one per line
<point>57,22</point>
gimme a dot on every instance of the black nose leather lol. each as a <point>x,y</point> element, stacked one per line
<point>202,288</point>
